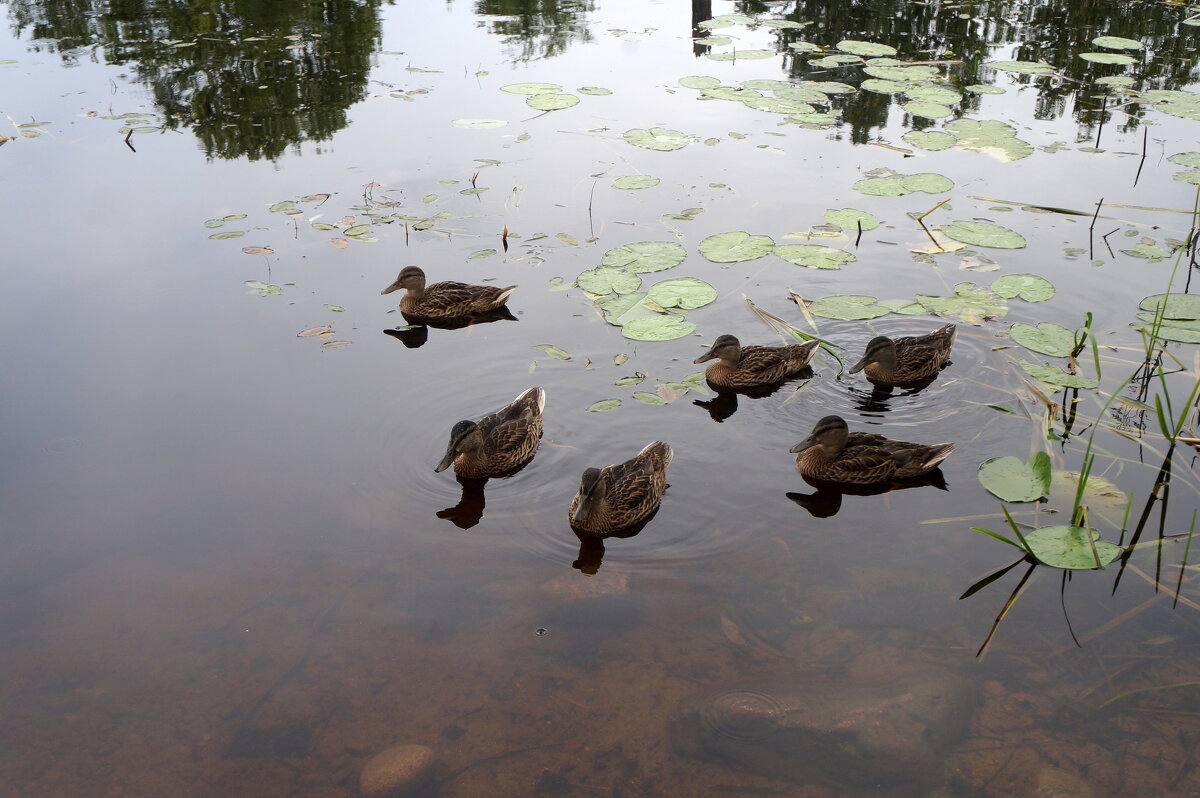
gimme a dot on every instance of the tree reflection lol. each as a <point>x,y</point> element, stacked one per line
<point>537,28</point>
<point>249,77</point>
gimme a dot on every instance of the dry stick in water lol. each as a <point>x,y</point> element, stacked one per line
<point>1092,228</point>
<point>859,238</point>
<point>1141,163</point>
<point>1099,130</point>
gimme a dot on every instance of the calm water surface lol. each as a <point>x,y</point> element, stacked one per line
<point>227,565</point>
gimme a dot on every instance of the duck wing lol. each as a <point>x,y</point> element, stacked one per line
<point>461,299</point>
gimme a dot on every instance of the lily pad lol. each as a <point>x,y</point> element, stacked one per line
<point>849,307</point>
<point>1115,80</point>
<point>1046,338</point>
<point>687,293</point>
<point>607,280</point>
<point>927,110</point>
<point>814,256</point>
<point>619,308</point>
<point>743,55</point>
<point>883,86</point>
<point>1173,306</point>
<point>1021,67</point>
<point>1117,43</point>
<point>645,256</point>
<point>979,88</point>
<point>932,93</point>
<point>1192,177</point>
<point>552,102</point>
<point>984,234</point>
<point>868,49</point>
<point>852,219</point>
<point>478,124</point>
<point>904,73</point>
<point>602,405</point>
<point>636,181</point>
<point>735,246</point>
<point>554,352</point>
<point>658,138</point>
<point>990,137</point>
<point>532,88</point>
<point>594,91</point>
<point>1070,547</point>
<point>725,21</point>
<point>1182,330</point>
<point>932,140</point>
<point>899,185</point>
<point>1029,287</point>
<point>1056,376</point>
<point>228,234</point>
<point>1010,479</point>
<point>1140,250</point>
<point>263,289</point>
<point>660,327</point>
<point>779,105</point>
<point>699,82</point>
<point>1108,58</point>
<point>970,303</point>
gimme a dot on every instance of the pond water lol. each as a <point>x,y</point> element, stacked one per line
<point>228,567</point>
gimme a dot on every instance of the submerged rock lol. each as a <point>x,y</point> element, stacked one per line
<point>401,771</point>
<point>842,734</point>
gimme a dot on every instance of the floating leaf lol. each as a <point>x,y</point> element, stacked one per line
<point>687,293</point>
<point>636,181</point>
<point>616,306</point>
<point>339,243</point>
<point>214,222</point>
<point>1117,43</point>
<point>649,398</point>
<point>532,88</point>
<point>927,110</point>
<point>1021,67</point>
<point>607,280</point>
<point>311,331</point>
<point>699,82</point>
<point>848,307</point>
<point>970,303</point>
<point>1140,250</point>
<point>901,73</point>
<point>263,289</point>
<point>865,48</point>
<point>852,219</point>
<point>645,256</point>
<point>478,124</point>
<point>603,404</point>
<point>725,21</point>
<point>735,246</point>
<point>979,88</point>
<point>1115,80</point>
<point>567,239</point>
<point>1013,481</point>
<point>984,234</point>
<point>1046,338</point>
<point>335,344</point>
<point>1108,58</point>
<point>1070,547</point>
<point>357,230</point>
<point>481,253</point>
<point>280,206</point>
<point>883,86</point>
<point>1192,177</point>
<point>899,185</point>
<point>1056,376</point>
<point>660,327</point>
<point>594,91</point>
<point>744,55</point>
<point>554,351</point>
<point>552,102</point>
<point>1029,287</point>
<point>658,138</point>
<point>932,140</point>
<point>634,380</point>
<point>990,137</point>
<point>814,256</point>
<point>257,250</point>
<point>932,93</point>
<point>228,234</point>
<point>1173,306</point>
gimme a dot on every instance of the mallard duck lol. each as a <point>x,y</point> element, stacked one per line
<point>446,299</point>
<point>909,361</point>
<point>614,498</point>
<point>498,444</point>
<point>747,367</point>
<point>833,454</point>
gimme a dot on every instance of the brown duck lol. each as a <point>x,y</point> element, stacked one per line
<point>906,362</point>
<point>833,454</point>
<point>617,497</point>
<point>446,299</point>
<point>748,367</point>
<point>498,444</point>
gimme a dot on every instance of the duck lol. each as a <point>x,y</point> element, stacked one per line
<point>906,362</point>
<point>499,444</point>
<point>446,299</point>
<point>745,368</point>
<point>834,455</point>
<point>617,498</point>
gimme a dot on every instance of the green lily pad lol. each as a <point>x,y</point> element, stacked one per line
<point>1010,479</point>
<point>645,256</point>
<point>882,86</point>
<point>782,23</point>
<point>658,138</point>
<point>554,352</point>
<point>979,88</point>
<point>1056,376</point>
<point>868,49</point>
<point>778,105</point>
<point>228,234</point>
<point>732,94</point>
<point>263,289</point>
<point>742,55</point>
<point>904,73</point>
<point>660,327</point>
<point>850,307</point>
<point>699,82</point>
<point>927,110</point>
<point>827,86</point>
<point>607,280</point>
<point>814,256</point>
<point>984,234</point>
<point>991,137</point>
<point>1021,67</point>
<point>725,21</point>
<point>1115,80</point>
<point>970,303</point>
<point>636,379</point>
<point>899,185</point>
<point>1148,251</point>
<point>1117,43</point>
<point>1192,177</point>
<point>649,398</point>
<point>834,61</point>
<point>1029,287</point>
<point>1188,159</point>
<point>906,307</point>
<point>620,308</point>
<point>552,102</point>
<point>594,91</point>
<point>852,219</point>
<point>735,246</point>
<point>1108,58</point>
<point>1046,338</point>
<point>532,88</point>
<point>636,181</point>
<point>1173,306</point>
<point>357,229</point>
<point>687,293</point>
<point>281,206</point>
<point>1070,547</point>
<point>932,93</point>
<point>932,140</point>
<point>817,120</point>
<point>602,405</point>
<point>1183,330</point>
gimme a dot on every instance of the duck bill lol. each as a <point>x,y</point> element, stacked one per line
<point>857,367</point>
<point>393,287</point>
<point>709,355</point>
<point>447,459</point>
<point>585,504</point>
<point>804,444</point>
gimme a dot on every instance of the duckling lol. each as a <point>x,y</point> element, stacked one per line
<point>614,498</point>
<point>446,299</point>
<point>906,362</point>
<point>748,367</point>
<point>499,444</point>
<point>833,454</point>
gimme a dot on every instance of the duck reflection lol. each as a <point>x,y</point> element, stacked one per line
<point>725,403</point>
<point>416,332</point>
<point>591,547</point>
<point>498,445</point>
<point>826,500</point>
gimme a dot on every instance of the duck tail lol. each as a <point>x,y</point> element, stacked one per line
<point>937,454</point>
<point>658,453</point>
<point>503,296</point>
<point>532,396</point>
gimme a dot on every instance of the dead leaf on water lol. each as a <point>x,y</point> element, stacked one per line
<point>667,393</point>
<point>335,344</point>
<point>731,632</point>
<point>340,243</point>
<point>315,198</point>
<point>314,331</point>
<point>257,250</point>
